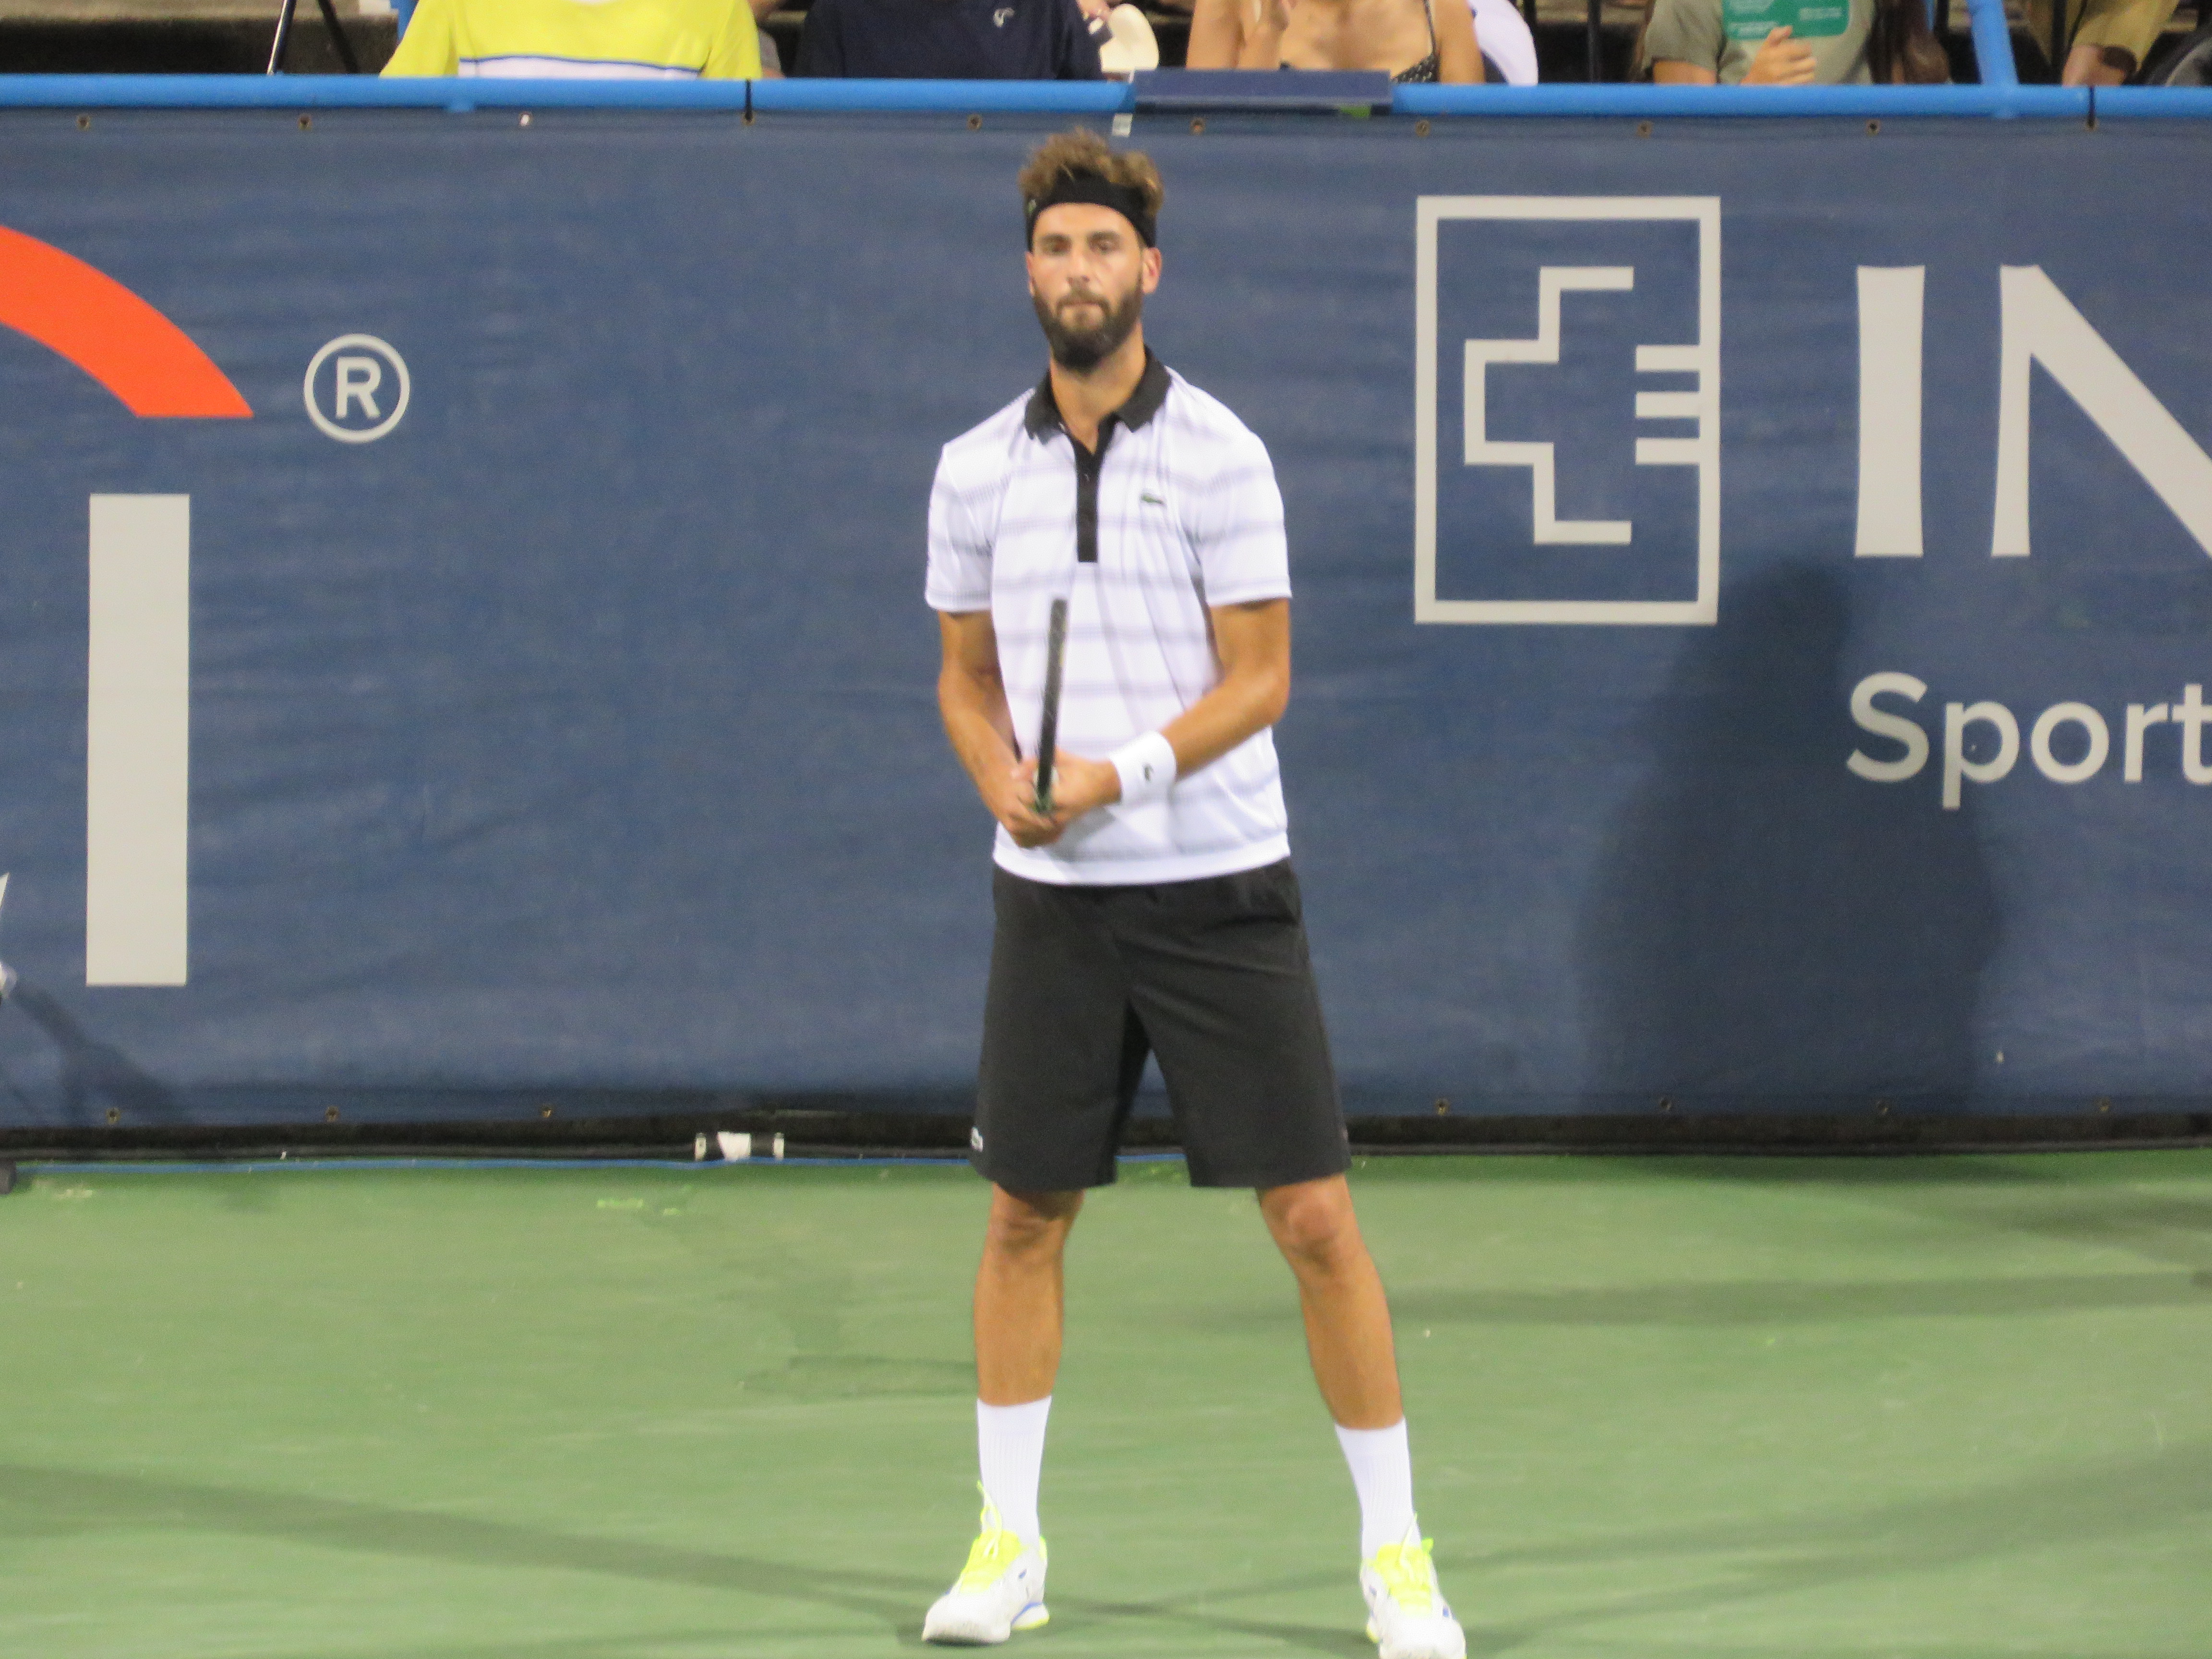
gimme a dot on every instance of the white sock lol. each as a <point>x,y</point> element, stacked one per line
<point>1383,1473</point>
<point>1010,1447</point>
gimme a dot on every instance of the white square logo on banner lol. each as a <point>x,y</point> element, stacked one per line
<point>1577,569</point>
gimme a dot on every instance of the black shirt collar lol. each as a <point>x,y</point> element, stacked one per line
<point>1042,415</point>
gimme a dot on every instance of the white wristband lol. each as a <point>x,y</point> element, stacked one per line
<point>1147,769</point>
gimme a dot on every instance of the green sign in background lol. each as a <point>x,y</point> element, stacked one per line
<point>1807,19</point>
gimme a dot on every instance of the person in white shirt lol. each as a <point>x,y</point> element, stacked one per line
<point>1149,908</point>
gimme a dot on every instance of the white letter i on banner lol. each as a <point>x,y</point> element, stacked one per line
<point>1890,312</point>
<point>137,740</point>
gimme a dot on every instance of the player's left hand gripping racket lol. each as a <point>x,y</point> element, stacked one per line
<point>1055,652</point>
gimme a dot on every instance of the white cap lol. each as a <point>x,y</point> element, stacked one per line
<point>1129,44</point>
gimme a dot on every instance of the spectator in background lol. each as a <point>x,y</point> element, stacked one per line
<point>771,58</point>
<point>2187,63</point>
<point>950,40</point>
<point>2107,39</point>
<point>1508,45</point>
<point>1700,43</point>
<point>1413,39</point>
<point>658,40</point>
<point>1126,41</point>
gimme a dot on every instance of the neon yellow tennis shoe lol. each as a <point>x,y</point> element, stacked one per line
<point>1406,1608</point>
<point>1000,1591</point>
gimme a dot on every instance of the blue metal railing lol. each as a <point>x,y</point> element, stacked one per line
<point>1992,36</point>
<point>1999,97</point>
<point>1765,102</point>
<point>949,97</point>
<point>2164,103</point>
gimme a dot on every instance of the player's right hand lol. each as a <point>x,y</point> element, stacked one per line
<point>1781,61</point>
<point>1011,797</point>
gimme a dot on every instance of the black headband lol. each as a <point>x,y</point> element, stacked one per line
<point>1124,199</point>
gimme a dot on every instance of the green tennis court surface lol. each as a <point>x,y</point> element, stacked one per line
<point>1894,1409</point>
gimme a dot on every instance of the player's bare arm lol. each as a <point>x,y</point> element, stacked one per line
<point>1252,644</point>
<point>973,700</point>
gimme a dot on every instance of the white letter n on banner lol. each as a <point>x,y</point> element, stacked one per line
<point>2042,326</point>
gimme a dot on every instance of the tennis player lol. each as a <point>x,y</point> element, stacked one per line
<point>1151,908</point>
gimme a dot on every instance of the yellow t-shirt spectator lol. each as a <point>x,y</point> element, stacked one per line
<point>652,40</point>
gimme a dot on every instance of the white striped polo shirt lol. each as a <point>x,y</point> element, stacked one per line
<point>1187,516</point>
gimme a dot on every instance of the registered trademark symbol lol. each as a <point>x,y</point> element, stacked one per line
<point>356,388</point>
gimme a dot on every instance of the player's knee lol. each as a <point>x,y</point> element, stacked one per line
<point>1312,1223</point>
<point>1026,1223</point>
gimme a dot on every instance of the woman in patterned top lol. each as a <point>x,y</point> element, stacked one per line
<point>1413,39</point>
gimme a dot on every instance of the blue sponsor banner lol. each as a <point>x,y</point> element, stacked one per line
<point>1754,597</point>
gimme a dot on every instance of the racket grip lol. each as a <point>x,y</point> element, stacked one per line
<point>1056,655</point>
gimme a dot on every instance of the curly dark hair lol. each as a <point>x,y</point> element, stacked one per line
<point>1080,151</point>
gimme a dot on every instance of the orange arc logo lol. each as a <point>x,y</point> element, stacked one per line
<point>109,333</point>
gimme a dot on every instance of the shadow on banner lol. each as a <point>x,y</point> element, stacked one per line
<point>1766,929</point>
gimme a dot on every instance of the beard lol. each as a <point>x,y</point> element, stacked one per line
<point>1082,349</point>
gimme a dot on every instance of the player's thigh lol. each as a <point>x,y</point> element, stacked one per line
<point>1062,1051</point>
<point>1220,975</point>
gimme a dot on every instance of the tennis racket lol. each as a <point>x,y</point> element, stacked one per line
<point>1055,652</point>
<point>7,974</point>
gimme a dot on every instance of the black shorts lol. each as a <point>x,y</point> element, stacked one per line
<point>1212,976</point>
